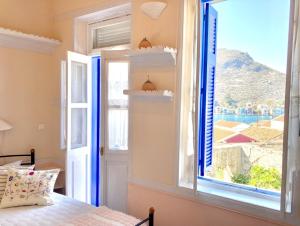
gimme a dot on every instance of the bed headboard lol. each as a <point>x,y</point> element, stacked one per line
<point>31,155</point>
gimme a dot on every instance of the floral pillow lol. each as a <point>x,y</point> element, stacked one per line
<point>3,175</point>
<point>28,187</point>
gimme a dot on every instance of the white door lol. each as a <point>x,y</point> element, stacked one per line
<point>78,127</point>
<point>115,68</point>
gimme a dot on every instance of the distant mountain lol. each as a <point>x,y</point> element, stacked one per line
<point>240,80</point>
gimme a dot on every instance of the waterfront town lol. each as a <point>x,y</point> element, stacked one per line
<point>253,136</point>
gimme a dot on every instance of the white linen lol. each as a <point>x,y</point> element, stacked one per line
<point>103,216</point>
<point>63,210</point>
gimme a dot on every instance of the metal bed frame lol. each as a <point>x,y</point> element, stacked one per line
<point>31,155</point>
<point>149,219</point>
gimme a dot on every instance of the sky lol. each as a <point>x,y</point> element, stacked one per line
<point>259,27</point>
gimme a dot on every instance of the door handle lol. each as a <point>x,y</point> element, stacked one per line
<point>102,151</point>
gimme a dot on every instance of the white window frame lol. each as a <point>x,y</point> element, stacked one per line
<point>108,107</point>
<point>63,105</point>
<point>233,198</point>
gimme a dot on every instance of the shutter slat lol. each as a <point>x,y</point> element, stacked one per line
<point>211,63</point>
<point>208,74</point>
<point>118,33</point>
<point>115,36</point>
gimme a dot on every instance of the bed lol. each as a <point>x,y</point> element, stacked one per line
<point>67,212</point>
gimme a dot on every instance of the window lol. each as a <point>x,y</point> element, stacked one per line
<point>242,98</point>
<point>242,140</point>
<point>237,117</point>
<point>110,34</point>
<point>117,106</point>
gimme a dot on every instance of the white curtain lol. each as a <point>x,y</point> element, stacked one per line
<point>187,111</point>
<point>292,197</point>
<point>117,106</point>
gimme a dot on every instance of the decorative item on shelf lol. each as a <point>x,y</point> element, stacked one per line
<point>148,85</point>
<point>153,9</point>
<point>145,44</point>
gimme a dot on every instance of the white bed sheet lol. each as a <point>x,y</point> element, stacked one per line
<point>63,210</point>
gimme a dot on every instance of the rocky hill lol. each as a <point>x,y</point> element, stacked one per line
<point>240,80</point>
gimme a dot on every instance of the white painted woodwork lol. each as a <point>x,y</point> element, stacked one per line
<point>116,181</point>
<point>157,56</point>
<point>156,94</point>
<point>114,162</point>
<point>19,40</point>
<point>78,158</point>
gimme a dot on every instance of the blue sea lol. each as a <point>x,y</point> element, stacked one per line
<point>242,118</point>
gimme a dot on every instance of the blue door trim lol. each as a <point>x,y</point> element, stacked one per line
<point>95,143</point>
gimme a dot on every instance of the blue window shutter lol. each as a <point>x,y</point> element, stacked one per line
<point>95,143</point>
<point>207,88</point>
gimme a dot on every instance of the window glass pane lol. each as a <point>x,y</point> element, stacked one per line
<point>79,82</point>
<point>78,128</point>
<point>117,82</point>
<point>118,129</point>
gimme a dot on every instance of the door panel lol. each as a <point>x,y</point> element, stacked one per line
<point>116,179</point>
<point>115,68</point>
<point>80,164</point>
<point>78,160</point>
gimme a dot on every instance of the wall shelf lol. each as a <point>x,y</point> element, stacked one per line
<point>157,56</point>
<point>160,94</point>
<point>18,40</point>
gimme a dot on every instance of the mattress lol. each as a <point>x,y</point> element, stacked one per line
<point>63,210</point>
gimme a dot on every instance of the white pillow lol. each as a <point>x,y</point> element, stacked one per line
<point>28,187</point>
<point>3,176</point>
<point>12,164</point>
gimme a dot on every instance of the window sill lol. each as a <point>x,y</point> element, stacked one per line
<point>238,194</point>
<point>219,199</point>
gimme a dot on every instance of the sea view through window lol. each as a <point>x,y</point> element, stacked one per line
<point>250,92</point>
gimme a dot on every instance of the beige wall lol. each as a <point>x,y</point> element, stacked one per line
<point>64,9</point>
<point>29,16</point>
<point>29,88</point>
<point>28,98</point>
<point>177,211</point>
<point>153,123</point>
<point>161,31</point>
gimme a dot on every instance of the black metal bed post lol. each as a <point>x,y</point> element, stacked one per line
<point>32,156</point>
<point>149,219</point>
<point>151,216</point>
